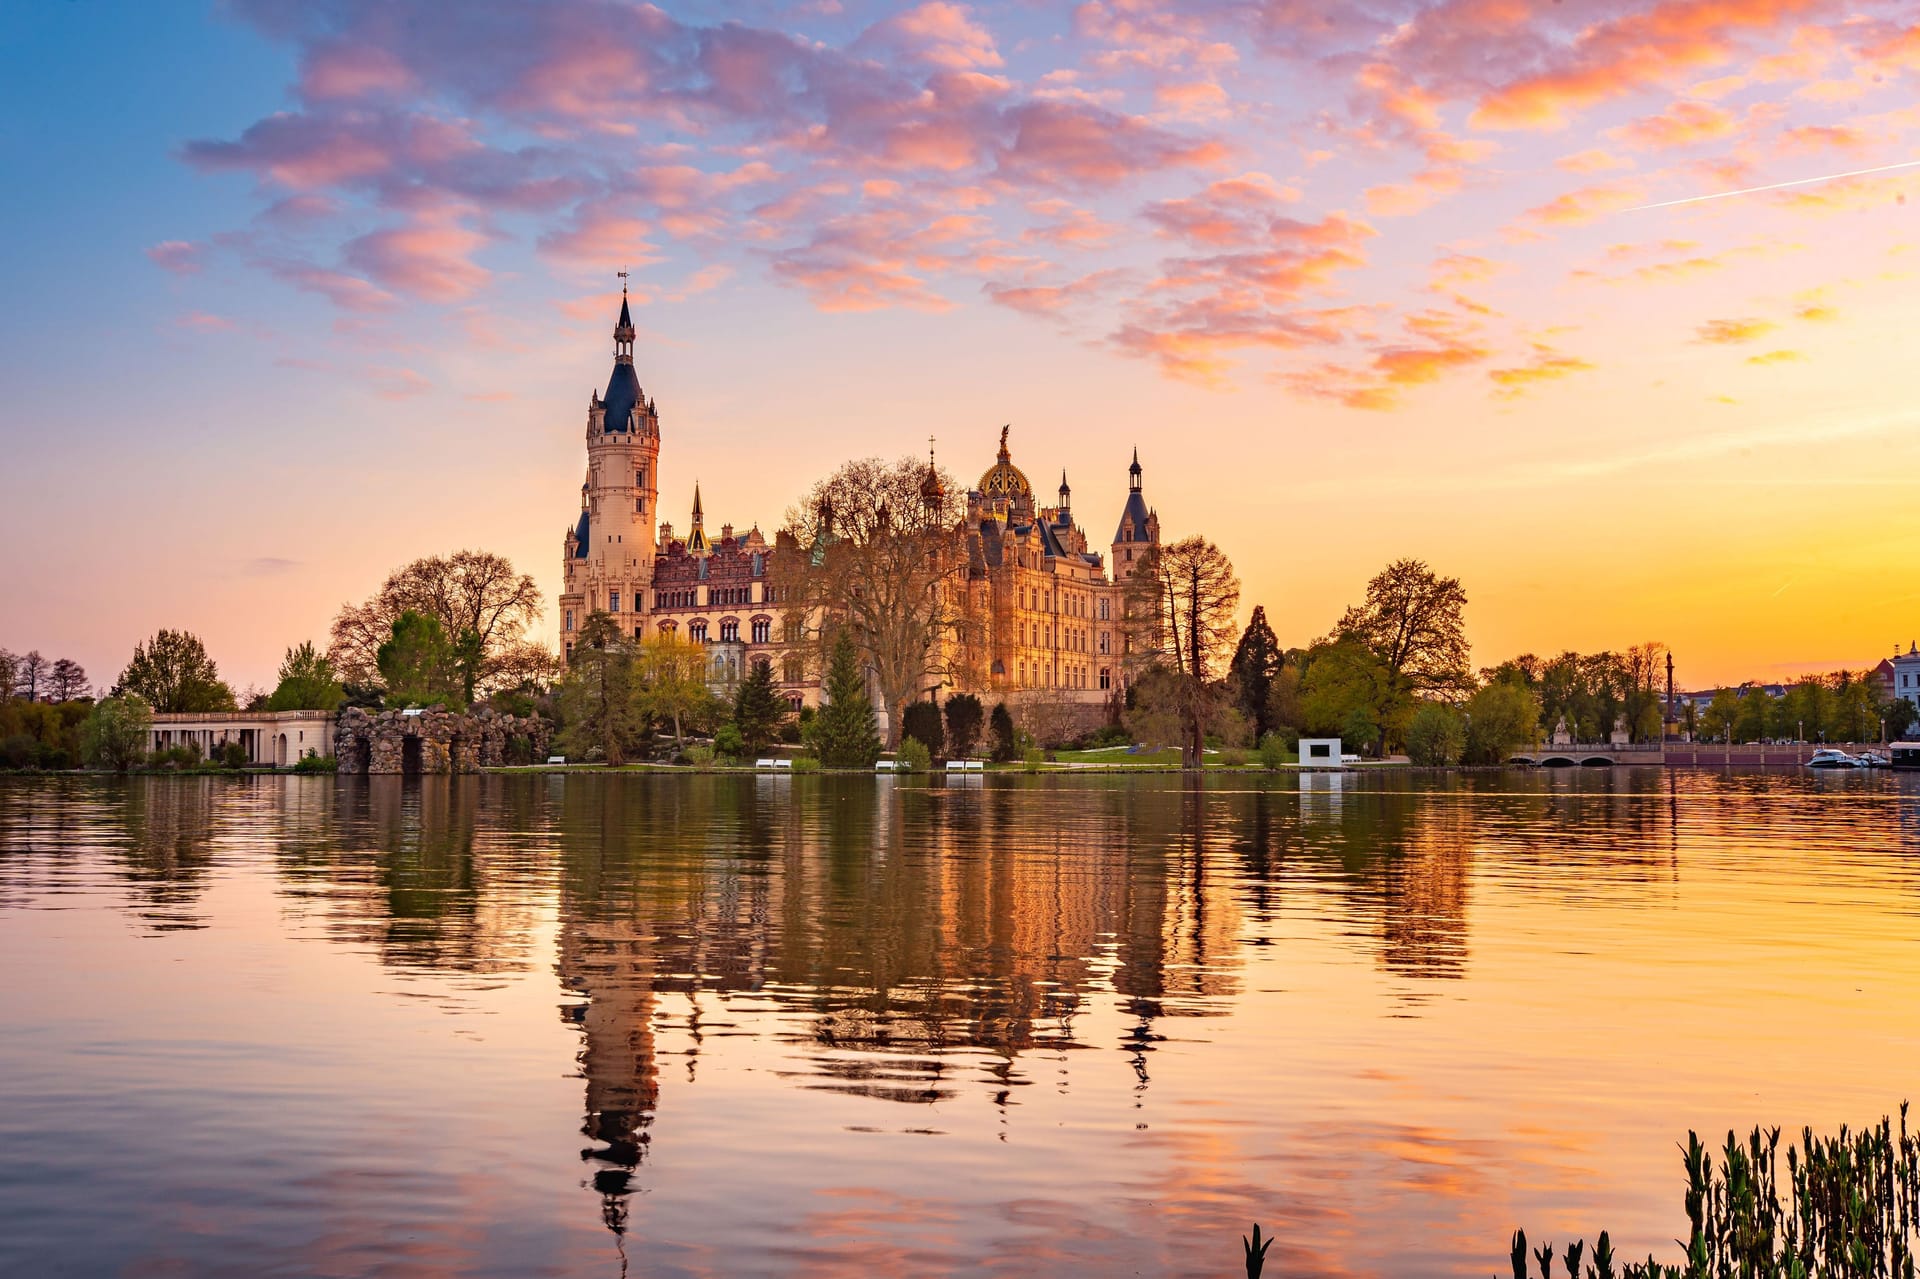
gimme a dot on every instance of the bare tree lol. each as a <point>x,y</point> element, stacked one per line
<point>29,673</point>
<point>877,550</point>
<point>482,604</point>
<point>1181,602</point>
<point>9,672</point>
<point>66,681</point>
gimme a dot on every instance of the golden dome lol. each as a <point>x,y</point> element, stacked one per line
<point>1003,478</point>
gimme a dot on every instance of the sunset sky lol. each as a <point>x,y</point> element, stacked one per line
<point>298,290</point>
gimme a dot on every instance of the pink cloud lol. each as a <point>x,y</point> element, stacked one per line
<point>397,383</point>
<point>1681,125</point>
<point>177,256</point>
<point>940,34</point>
<point>352,70</point>
<point>205,322</point>
<point>348,292</point>
<point>1076,145</point>
<point>1587,204</point>
<point>1232,211</point>
<point>427,257</point>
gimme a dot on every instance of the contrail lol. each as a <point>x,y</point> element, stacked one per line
<point>1774,186</point>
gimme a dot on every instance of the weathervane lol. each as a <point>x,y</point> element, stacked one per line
<point>622,273</point>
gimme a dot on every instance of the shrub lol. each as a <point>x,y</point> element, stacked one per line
<point>913,755</point>
<point>1033,759</point>
<point>1108,736</point>
<point>316,764</point>
<point>805,764</point>
<point>964,718</point>
<point>1002,743</point>
<point>700,756</point>
<point>231,754</point>
<point>729,740</point>
<point>176,757</point>
<point>1233,757</point>
<point>1273,751</point>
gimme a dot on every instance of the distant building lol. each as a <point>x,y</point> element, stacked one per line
<point>277,738</point>
<point>1906,674</point>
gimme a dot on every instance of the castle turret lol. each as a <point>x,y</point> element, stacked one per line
<point>697,543</point>
<point>1139,530</point>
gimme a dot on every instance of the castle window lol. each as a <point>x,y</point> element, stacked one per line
<point>762,631</point>
<point>697,630</point>
<point>569,619</point>
<point>1106,677</point>
<point>1103,608</point>
<point>640,478</point>
<point>613,601</point>
<point>729,632</point>
<point>639,506</point>
<point>793,668</point>
<point>1105,642</point>
<point>759,564</point>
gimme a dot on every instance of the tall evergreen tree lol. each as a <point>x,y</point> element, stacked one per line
<point>965,716</point>
<point>598,703</point>
<point>758,710</point>
<point>1005,747</point>
<point>844,730</point>
<point>1256,664</point>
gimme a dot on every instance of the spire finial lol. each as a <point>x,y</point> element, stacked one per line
<point>623,331</point>
<point>1004,455</point>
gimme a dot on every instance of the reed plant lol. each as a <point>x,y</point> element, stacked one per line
<point>1848,1208</point>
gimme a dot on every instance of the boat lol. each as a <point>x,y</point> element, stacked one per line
<point>1872,759</point>
<point>1829,757</point>
<point>1905,755</point>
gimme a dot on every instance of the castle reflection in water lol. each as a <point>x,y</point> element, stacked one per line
<point>888,934</point>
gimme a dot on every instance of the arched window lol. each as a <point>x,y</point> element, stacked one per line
<point>697,630</point>
<point>1106,677</point>
<point>793,668</point>
<point>669,628</point>
<point>730,631</point>
<point>762,631</point>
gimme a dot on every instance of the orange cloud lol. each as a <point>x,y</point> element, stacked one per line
<point>1544,367</point>
<point>1577,208</point>
<point>943,35</point>
<point>1825,137</point>
<point>1592,160</point>
<point>1727,332</point>
<point>1775,357</point>
<point>1617,56</point>
<point>1682,125</point>
<point>1817,313</point>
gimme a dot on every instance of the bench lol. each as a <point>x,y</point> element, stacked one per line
<point>965,765</point>
<point>886,766</point>
<point>774,764</point>
<point>556,759</point>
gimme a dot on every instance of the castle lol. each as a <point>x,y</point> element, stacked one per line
<point>1052,606</point>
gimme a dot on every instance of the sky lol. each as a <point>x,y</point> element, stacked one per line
<point>300,290</point>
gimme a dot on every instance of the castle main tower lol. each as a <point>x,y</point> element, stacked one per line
<point>609,552</point>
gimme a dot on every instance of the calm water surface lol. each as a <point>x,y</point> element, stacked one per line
<point>580,1026</point>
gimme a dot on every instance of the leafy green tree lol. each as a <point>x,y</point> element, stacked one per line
<point>307,682</point>
<point>758,710</point>
<point>1751,720</point>
<point>417,663</point>
<point>598,706</point>
<point>1900,713</point>
<point>1180,604</point>
<point>671,685</point>
<point>482,604</point>
<point>921,721</point>
<point>1256,663</point>
<point>1501,717</point>
<point>844,731</point>
<point>1414,621</point>
<point>1003,741</point>
<point>1436,737</point>
<point>115,733</point>
<point>172,674</point>
<point>728,740</point>
<point>1273,751</point>
<point>1345,684</point>
<point>964,719</point>
<point>1717,721</point>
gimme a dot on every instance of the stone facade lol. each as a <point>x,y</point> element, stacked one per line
<point>431,741</point>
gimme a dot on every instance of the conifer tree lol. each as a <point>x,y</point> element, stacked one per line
<point>597,698</point>
<point>1005,746</point>
<point>921,721</point>
<point>964,717</point>
<point>758,711</point>
<point>844,730</point>
<point>1256,662</point>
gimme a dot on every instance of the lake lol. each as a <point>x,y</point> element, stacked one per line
<point>572,1025</point>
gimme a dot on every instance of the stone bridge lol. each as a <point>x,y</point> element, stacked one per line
<point>1679,754</point>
